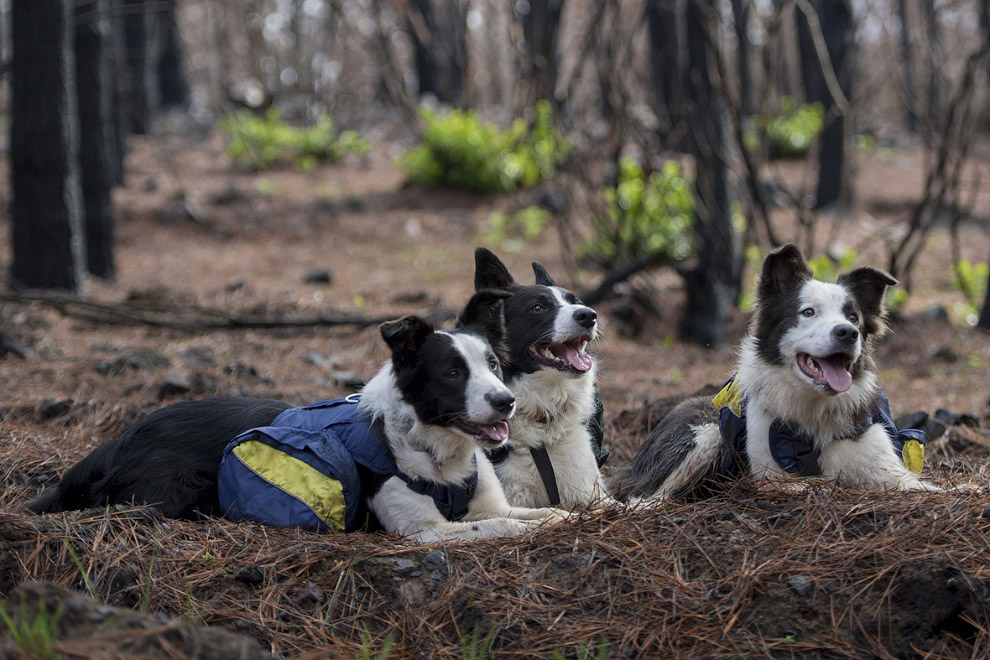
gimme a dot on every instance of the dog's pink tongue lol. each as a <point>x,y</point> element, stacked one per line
<point>838,377</point>
<point>498,432</point>
<point>578,360</point>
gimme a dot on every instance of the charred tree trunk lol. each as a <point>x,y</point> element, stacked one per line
<point>142,84</point>
<point>910,81</point>
<point>661,17</point>
<point>48,250</point>
<point>120,129</point>
<point>94,97</point>
<point>836,20</point>
<point>172,86</point>
<point>712,285</point>
<point>740,13</point>
<point>439,47</point>
<point>936,83</point>
<point>541,63</point>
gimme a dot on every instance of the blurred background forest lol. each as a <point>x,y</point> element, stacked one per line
<point>686,133</point>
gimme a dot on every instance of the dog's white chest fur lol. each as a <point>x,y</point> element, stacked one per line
<point>552,411</point>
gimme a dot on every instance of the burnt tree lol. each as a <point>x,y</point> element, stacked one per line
<point>833,21</point>
<point>665,70</point>
<point>910,81</point>
<point>437,28</point>
<point>96,139</point>
<point>712,284</point>
<point>48,249</point>
<point>172,87</point>
<point>740,15</point>
<point>540,64</point>
<point>141,77</point>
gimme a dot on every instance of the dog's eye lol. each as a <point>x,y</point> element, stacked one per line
<point>536,309</point>
<point>453,374</point>
<point>808,312</point>
<point>493,365</point>
<point>853,318</point>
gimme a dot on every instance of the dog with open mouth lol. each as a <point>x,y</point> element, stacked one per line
<point>549,459</point>
<point>432,411</point>
<point>805,399</point>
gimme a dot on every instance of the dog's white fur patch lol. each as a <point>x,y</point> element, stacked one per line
<point>482,382</point>
<point>442,455</point>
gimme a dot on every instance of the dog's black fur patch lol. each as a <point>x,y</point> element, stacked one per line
<point>784,273</point>
<point>530,311</point>
<point>170,458</point>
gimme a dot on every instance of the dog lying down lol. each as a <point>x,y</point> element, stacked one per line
<point>436,405</point>
<point>805,399</point>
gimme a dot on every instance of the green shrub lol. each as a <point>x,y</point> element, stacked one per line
<point>37,636</point>
<point>525,224</point>
<point>260,143</point>
<point>971,280</point>
<point>459,150</point>
<point>790,133</point>
<point>645,216</point>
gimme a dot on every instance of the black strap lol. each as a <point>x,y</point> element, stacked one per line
<point>451,500</point>
<point>543,464</point>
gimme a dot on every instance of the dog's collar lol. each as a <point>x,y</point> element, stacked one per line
<point>544,416</point>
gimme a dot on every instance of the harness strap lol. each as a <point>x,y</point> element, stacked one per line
<point>545,467</point>
<point>451,500</point>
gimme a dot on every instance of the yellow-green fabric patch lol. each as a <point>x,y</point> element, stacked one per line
<point>731,397</point>
<point>321,493</point>
<point>913,455</point>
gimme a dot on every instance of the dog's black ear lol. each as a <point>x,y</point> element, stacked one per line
<point>489,271</point>
<point>483,314</point>
<point>783,269</point>
<point>542,276</point>
<point>405,336</point>
<point>868,286</point>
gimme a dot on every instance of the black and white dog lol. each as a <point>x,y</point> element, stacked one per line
<point>548,460</point>
<point>440,400</point>
<point>805,399</point>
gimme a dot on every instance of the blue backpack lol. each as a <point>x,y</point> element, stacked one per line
<point>314,468</point>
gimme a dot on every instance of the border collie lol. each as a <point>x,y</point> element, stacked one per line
<point>805,399</point>
<point>440,400</point>
<point>549,460</point>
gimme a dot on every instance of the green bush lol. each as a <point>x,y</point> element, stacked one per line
<point>459,150</point>
<point>526,224</point>
<point>790,133</point>
<point>644,216</point>
<point>260,143</point>
<point>971,279</point>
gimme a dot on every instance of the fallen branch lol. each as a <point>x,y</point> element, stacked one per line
<point>189,319</point>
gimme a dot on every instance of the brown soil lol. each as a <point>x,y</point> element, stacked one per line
<point>753,572</point>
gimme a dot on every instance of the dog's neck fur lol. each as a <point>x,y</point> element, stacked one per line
<point>547,401</point>
<point>427,451</point>
<point>781,394</point>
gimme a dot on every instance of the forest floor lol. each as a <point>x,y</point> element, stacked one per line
<point>751,572</point>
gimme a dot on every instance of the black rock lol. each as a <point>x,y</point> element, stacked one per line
<point>173,386</point>
<point>936,313</point>
<point>250,574</point>
<point>945,354</point>
<point>10,346</point>
<point>51,408</point>
<point>802,584</point>
<point>320,276</point>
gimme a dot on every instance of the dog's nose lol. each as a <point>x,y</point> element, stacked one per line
<point>586,317</point>
<point>502,402</point>
<point>845,333</point>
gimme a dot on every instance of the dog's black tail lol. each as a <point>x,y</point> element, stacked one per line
<point>680,454</point>
<point>169,459</point>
